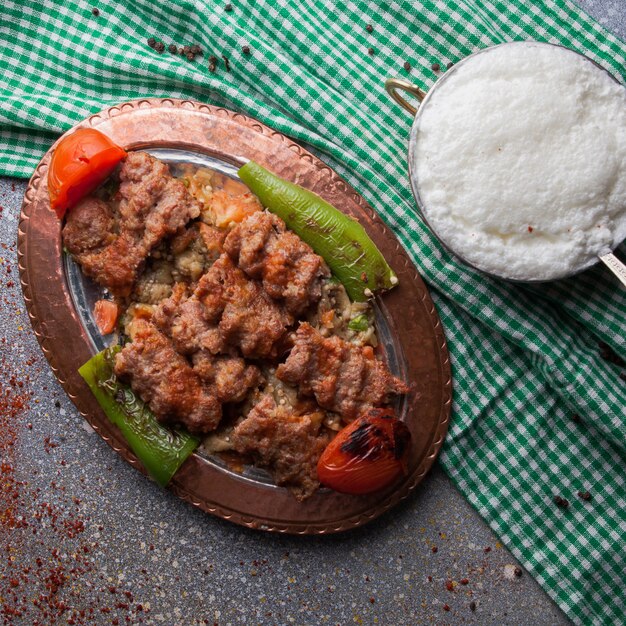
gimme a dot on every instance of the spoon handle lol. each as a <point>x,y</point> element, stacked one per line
<point>615,265</point>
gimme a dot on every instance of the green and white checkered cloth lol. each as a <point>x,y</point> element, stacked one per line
<point>525,359</point>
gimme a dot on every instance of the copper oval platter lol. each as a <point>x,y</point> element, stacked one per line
<point>408,325</point>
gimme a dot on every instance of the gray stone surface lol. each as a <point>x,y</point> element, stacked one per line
<point>93,541</point>
<point>610,13</point>
<point>107,540</point>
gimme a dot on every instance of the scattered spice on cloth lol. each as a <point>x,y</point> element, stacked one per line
<point>608,354</point>
<point>561,502</point>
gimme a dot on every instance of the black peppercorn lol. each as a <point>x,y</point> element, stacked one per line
<point>407,66</point>
<point>245,49</point>
<point>152,42</point>
<point>172,48</point>
<point>608,354</point>
<point>369,28</point>
<point>159,46</point>
<point>584,495</point>
<point>95,11</point>
<point>228,7</point>
<point>370,51</point>
<point>435,67</point>
<point>561,502</point>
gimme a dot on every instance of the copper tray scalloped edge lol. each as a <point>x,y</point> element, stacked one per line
<point>226,135</point>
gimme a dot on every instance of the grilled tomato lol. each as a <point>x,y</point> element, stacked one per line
<point>367,455</point>
<point>79,164</point>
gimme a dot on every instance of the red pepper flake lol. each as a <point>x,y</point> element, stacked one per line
<point>464,581</point>
<point>446,607</point>
<point>372,600</point>
<point>530,229</point>
<point>434,549</point>
<point>487,550</point>
<point>48,444</point>
<point>449,585</point>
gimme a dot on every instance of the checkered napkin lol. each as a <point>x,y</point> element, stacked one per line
<point>538,411</point>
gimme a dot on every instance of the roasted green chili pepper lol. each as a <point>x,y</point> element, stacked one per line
<point>161,450</point>
<point>340,240</point>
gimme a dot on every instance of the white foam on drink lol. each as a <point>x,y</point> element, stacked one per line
<point>520,157</point>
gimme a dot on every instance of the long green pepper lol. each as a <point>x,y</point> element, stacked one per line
<point>340,240</point>
<point>161,450</point>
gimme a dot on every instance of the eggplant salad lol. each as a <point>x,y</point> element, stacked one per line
<point>241,315</point>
